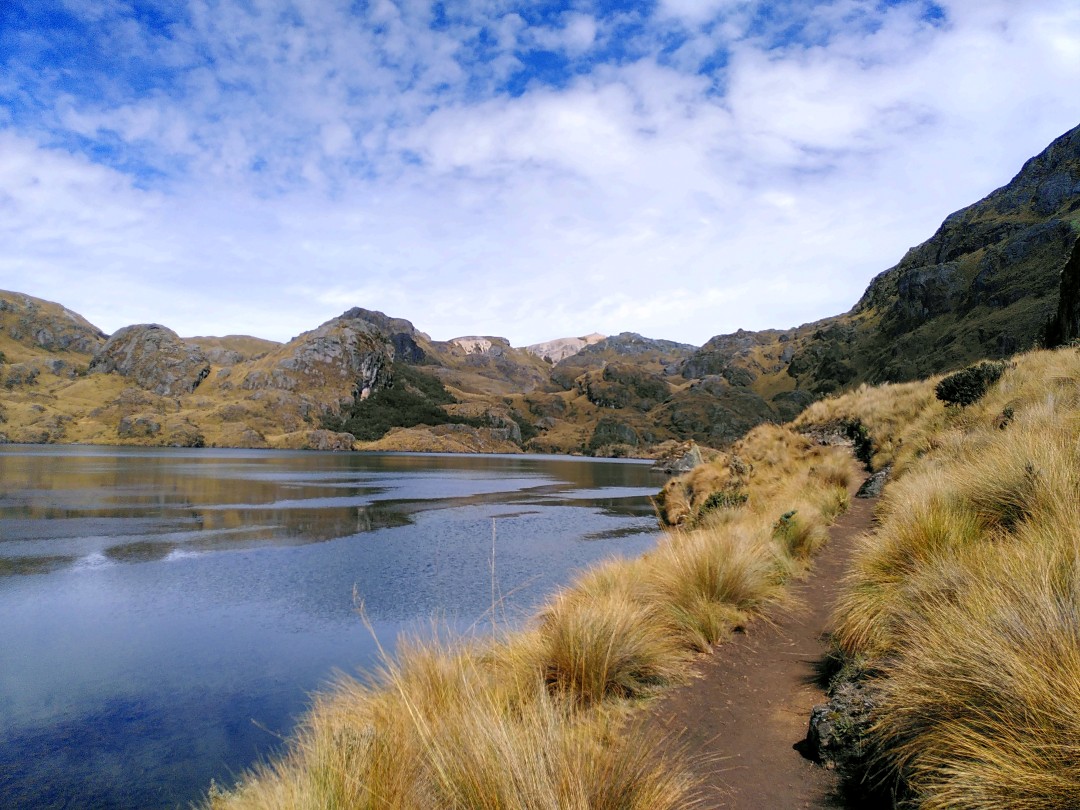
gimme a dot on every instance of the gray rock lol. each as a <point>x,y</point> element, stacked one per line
<point>154,358</point>
<point>837,732</point>
<point>329,440</point>
<point>134,427</point>
<point>17,375</point>
<point>872,486</point>
<point>680,462</point>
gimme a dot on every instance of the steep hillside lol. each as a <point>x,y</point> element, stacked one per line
<point>984,285</point>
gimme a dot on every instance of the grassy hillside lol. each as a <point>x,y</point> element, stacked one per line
<point>961,613</point>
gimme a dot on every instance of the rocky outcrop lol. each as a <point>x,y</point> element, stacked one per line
<point>658,357</point>
<point>678,459</point>
<point>403,336</point>
<point>733,356</point>
<point>613,432</point>
<point>138,427</point>
<point>45,325</point>
<point>348,354</point>
<point>837,733</point>
<point>153,357</point>
<point>622,385</point>
<point>1065,325</point>
<point>317,440</point>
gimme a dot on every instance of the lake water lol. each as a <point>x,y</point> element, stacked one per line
<point>164,614</point>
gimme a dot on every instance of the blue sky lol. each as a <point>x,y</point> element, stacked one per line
<point>679,168</point>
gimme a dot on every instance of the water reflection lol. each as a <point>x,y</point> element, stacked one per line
<point>219,500</point>
<point>167,611</point>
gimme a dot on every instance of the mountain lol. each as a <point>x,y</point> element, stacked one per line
<point>993,279</point>
<point>984,285</point>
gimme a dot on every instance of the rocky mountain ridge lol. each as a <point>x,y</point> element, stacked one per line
<point>986,284</point>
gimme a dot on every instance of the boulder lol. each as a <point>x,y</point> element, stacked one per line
<point>872,486</point>
<point>837,733</point>
<point>680,459</point>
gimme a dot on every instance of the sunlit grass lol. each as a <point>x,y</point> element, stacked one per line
<point>964,603</point>
<point>539,717</point>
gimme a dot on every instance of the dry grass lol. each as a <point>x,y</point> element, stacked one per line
<point>438,729</point>
<point>965,601</point>
<point>538,718</point>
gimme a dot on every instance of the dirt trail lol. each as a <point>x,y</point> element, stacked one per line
<point>740,721</point>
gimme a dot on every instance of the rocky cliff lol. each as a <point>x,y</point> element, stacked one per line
<point>1065,325</point>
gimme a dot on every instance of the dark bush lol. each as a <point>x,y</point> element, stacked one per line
<point>863,443</point>
<point>970,384</point>
<point>724,499</point>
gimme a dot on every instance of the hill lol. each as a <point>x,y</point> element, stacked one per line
<point>986,284</point>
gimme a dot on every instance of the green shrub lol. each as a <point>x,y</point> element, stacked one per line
<point>968,385</point>
<point>412,398</point>
<point>724,499</point>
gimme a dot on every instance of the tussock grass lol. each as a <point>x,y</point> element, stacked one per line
<point>710,581</point>
<point>538,718</point>
<point>602,645</point>
<point>437,730</point>
<point>965,601</point>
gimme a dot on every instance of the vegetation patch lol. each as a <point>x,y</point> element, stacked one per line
<point>412,398</point>
<point>968,386</point>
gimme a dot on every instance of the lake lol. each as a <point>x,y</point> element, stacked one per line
<point>167,612</point>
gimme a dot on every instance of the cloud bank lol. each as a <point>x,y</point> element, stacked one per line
<point>533,170</point>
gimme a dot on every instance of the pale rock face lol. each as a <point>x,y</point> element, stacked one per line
<point>561,348</point>
<point>473,345</point>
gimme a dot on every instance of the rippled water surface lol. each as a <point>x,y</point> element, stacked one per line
<point>164,614</point>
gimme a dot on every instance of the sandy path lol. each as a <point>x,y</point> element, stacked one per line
<point>740,721</point>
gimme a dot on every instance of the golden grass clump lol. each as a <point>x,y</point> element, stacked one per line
<point>437,731</point>
<point>599,646</point>
<point>709,582</point>
<point>982,707</point>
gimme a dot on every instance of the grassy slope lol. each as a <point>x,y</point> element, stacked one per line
<point>963,608</point>
<point>542,717</point>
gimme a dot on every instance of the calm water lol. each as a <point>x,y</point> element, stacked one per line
<point>164,614</point>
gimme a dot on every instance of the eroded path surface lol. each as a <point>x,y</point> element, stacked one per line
<point>739,722</point>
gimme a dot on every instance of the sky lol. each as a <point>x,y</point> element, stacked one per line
<point>534,170</point>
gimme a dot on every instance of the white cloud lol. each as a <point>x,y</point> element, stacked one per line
<point>315,161</point>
